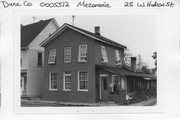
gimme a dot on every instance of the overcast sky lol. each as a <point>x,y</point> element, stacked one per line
<point>137,32</point>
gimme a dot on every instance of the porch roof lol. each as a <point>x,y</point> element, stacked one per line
<point>124,72</point>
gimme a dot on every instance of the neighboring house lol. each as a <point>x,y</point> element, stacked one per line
<point>81,66</point>
<point>32,60</point>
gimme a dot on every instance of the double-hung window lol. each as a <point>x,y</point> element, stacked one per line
<point>67,54</point>
<point>53,81</point>
<point>67,81</point>
<point>39,61</point>
<point>82,56</point>
<point>118,59</point>
<point>104,57</point>
<point>52,56</point>
<point>83,81</point>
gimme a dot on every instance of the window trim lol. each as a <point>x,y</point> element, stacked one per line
<point>54,56</point>
<point>104,57</point>
<point>64,89</point>
<point>85,90</point>
<point>50,82</point>
<point>70,53</point>
<point>79,60</point>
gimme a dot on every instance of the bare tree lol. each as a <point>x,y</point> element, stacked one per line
<point>155,58</point>
<point>139,63</point>
<point>127,58</point>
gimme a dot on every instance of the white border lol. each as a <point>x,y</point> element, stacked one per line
<point>165,18</point>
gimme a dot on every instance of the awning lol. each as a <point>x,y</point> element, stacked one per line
<point>124,72</point>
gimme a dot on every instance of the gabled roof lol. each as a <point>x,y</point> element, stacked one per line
<point>29,32</point>
<point>82,31</point>
<point>124,72</point>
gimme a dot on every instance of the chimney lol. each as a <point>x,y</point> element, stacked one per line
<point>133,64</point>
<point>97,30</point>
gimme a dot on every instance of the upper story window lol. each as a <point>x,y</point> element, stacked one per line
<point>118,59</point>
<point>67,54</point>
<point>52,56</point>
<point>104,57</point>
<point>53,81</point>
<point>82,56</point>
<point>39,60</point>
<point>67,81</point>
<point>83,81</point>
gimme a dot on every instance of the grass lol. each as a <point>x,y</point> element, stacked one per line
<point>41,103</point>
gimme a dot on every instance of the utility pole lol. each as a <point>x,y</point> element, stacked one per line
<point>34,18</point>
<point>73,17</point>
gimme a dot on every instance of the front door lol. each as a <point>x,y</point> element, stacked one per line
<point>104,88</point>
<point>23,85</point>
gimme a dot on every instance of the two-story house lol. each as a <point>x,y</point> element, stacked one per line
<point>32,55</point>
<point>81,66</point>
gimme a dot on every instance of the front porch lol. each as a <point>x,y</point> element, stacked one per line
<point>123,86</point>
<point>23,82</point>
<point>135,91</point>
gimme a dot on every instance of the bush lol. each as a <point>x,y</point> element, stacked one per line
<point>152,92</point>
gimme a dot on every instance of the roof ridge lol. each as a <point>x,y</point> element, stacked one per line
<point>31,31</point>
<point>86,32</point>
<point>96,35</point>
<point>37,22</point>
